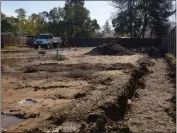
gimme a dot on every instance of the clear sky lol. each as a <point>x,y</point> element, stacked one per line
<point>100,10</point>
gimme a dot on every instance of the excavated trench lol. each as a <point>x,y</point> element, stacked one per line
<point>113,112</point>
<point>110,114</point>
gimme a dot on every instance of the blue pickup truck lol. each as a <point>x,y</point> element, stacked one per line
<point>47,41</point>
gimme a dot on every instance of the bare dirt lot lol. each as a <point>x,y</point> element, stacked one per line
<point>83,93</point>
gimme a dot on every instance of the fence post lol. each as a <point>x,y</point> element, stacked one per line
<point>8,41</point>
<point>174,40</point>
<point>169,43</point>
<point>15,41</point>
<point>2,41</point>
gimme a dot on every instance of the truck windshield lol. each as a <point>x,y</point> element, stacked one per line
<point>43,37</point>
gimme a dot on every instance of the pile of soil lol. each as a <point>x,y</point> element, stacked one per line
<point>110,49</point>
<point>154,52</point>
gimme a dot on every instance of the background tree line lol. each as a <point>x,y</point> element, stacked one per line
<point>140,18</point>
<point>136,18</point>
<point>73,20</point>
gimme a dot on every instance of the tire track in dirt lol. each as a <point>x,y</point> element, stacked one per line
<point>148,113</point>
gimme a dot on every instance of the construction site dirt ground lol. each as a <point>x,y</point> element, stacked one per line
<point>80,88</point>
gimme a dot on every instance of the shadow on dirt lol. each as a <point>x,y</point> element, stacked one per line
<point>171,69</point>
<point>84,67</point>
<point>116,111</point>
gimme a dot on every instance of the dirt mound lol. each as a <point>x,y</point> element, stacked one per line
<point>110,49</point>
<point>154,52</point>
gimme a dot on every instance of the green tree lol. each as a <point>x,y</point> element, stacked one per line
<point>35,24</point>
<point>5,24</point>
<point>8,24</point>
<point>33,16</point>
<point>73,20</point>
<point>56,24</point>
<point>78,20</point>
<point>138,17</point>
<point>55,15</point>
<point>72,2</point>
<point>32,25</point>
<point>158,17</point>
<point>21,13</point>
